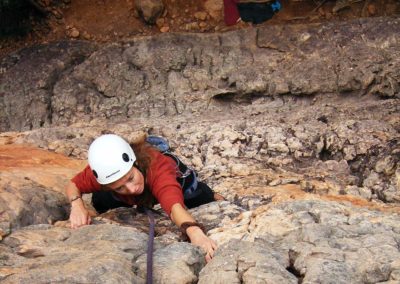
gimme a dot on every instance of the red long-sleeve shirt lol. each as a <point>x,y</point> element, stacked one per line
<point>161,180</point>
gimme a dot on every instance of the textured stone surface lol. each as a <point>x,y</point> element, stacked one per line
<point>191,74</point>
<point>319,241</point>
<point>262,240</point>
<point>94,254</point>
<point>245,262</point>
<point>312,240</point>
<point>297,126</point>
<point>32,183</point>
<point>27,85</point>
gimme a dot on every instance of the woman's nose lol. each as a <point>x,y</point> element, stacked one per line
<point>130,186</point>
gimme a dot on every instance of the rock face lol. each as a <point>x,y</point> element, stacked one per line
<point>197,74</point>
<point>27,94</point>
<point>32,183</point>
<point>297,126</point>
<point>318,240</point>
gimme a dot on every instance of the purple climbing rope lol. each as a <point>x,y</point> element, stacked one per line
<point>150,246</point>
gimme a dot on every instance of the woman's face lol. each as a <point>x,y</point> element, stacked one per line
<point>130,184</point>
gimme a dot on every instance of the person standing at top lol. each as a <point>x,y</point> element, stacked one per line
<point>120,174</point>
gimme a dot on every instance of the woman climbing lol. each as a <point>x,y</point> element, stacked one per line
<point>120,174</point>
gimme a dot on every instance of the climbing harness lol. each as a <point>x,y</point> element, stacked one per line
<point>185,175</point>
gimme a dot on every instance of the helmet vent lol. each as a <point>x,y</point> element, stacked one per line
<point>95,174</point>
<point>125,157</point>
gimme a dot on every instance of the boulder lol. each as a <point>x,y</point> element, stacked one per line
<point>149,10</point>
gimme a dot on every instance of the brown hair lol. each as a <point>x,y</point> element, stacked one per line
<point>143,160</point>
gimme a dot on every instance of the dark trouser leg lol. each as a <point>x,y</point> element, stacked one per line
<point>204,194</point>
<point>103,201</point>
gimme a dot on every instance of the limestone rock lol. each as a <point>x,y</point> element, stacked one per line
<point>200,15</point>
<point>149,10</point>
<point>175,263</point>
<point>96,254</point>
<point>244,262</point>
<point>32,183</point>
<point>214,8</point>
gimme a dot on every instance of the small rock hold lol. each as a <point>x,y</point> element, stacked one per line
<point>307,186</point>
<point>386,166</point>
<point>203,25</point>
<point>86,35</point>
<point>149,10</point>
<point>214,8</point>
<point>164,29</point>
<point>275,182</point>
<point>29,252</point>
<point>160,22</point>
<point>192,26</point>
<point>200,16</point>
<point>74,33</point>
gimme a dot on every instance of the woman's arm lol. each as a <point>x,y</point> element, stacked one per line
<point>79,214</point>
<point>161,178</point>
<point>180,215</point>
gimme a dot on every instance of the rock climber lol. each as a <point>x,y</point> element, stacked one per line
<point>123,174</point>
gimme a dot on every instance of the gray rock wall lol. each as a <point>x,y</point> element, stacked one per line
<point>189,74</point>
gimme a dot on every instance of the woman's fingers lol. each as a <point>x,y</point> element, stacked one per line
<point>79,222</point>
<point>208,257</point>
<point>198,238</point>
<point>74,224</point>
<point>209,248</point>
<point>79,217</point>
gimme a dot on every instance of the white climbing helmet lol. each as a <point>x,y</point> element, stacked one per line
<point>110,158</point>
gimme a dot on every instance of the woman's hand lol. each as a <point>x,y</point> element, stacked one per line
<point>196,235</point>
<point>198,238</point>
<point>79,214</point>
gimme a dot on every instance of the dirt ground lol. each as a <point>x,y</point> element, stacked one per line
<point>114,20</point>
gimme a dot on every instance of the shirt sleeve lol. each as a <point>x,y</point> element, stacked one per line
<point>161,178</point>
<point>85,181</point>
